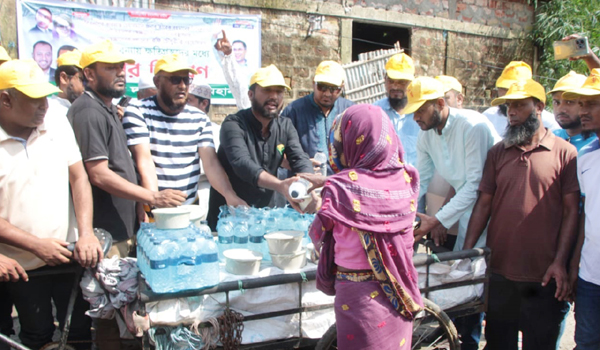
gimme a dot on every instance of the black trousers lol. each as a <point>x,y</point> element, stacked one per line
<point>523,306</point>
<point>33,301</point>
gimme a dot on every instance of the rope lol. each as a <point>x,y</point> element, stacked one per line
<point>209,334</point>
<point>435,257</point>
<point>303,275</point>
<point>242,290</point>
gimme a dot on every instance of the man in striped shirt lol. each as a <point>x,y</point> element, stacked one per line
<point>168,138</point>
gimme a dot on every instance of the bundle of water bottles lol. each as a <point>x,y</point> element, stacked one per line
<point>245,227</point>
<point>177,259</point>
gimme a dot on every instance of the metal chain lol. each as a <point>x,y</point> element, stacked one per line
<point>231,325</point>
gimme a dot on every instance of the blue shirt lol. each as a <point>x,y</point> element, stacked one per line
<point>578,140</point>
<point>310,122</point>
<point>406,128</point>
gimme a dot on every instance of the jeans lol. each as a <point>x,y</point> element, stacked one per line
<point>524,306</point>
<point>469,329</point>
<point>587,316</point>
<point>33,301</point>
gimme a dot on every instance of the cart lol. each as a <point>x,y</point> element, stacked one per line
<point>433,328</point>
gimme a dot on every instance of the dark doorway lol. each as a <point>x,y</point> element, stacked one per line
<point>370,37</point>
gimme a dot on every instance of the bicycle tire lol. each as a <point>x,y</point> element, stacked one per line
<point>442,330</point>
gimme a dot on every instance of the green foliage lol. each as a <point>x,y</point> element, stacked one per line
<point>556,19</point>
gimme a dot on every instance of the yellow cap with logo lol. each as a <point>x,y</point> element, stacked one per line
<point>173,63</point>
<point>421,90</point>
<point>522,90</point>
<point>569,82</point>
<point>449,83</point>
<point>400,67</point>
<point>27,77</point>
<point>4,55</point>
<point>268,76</point>
<point>103,51</point>
<point>513,72</point>
<point>330,72</point>
<point>591,87</point>
<point>69,58</point>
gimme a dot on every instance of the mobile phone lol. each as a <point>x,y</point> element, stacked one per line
<point>571,48</point>
<point>124,102</point>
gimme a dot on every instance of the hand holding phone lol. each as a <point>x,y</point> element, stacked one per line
<point>574,47</point>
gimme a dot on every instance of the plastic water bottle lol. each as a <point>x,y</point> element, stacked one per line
<point>188,265</point>
<point>240,232</point>
<point>299,189</point>
<point>256,240</point>
<point>210,263</point>
<point>225,232</point>
<point>205,230</point>
<point>159,266</point>
<point>321,158</point>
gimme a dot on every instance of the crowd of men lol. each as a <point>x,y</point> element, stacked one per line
<point>512,178</point>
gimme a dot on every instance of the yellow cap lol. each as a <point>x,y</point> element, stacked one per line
<point>591,87</point>
<point>449,83</point>
<point>331,73</point>
<point>513,72</point>
<point>4,55</point>
<point>69,58</point>
<point>420,91</point>
<point>27,77</point>
<point>268,76</point>
<point>173,63</point>
<point>103,51</point>
<point>569,82</point>
<point>400,66</point>
<point>522,90</point>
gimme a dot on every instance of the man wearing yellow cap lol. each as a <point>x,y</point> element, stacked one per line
<point>40,161</point>
<point>254,142</point>
<point>313,114</point>
<point>179,136</point>
<point>513,72</point>
<point>69,79</point>
<point>452,91</point>
<point>584,275</point>
<point>400,71</point>
<point>566,112</point>
<point>530,196</point>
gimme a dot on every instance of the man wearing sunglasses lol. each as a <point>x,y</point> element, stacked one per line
<point>168,138</point>
<point>312,115</point>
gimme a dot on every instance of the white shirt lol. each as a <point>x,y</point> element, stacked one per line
<point>458,154</point>
<point>588,173</point>
<point>500,121</point>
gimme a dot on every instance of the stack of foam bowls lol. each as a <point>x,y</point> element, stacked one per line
<point>285,248</point>
<point>242,261</point>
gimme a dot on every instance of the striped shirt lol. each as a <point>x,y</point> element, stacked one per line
<point>174,142</point>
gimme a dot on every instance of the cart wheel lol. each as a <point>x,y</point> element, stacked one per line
<point>56,345</point>
<point>432,329</point>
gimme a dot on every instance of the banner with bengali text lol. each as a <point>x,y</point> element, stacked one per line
<point>47,28</point>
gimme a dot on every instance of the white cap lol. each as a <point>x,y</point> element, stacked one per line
<point>146,82</point>
<point>199,87</point>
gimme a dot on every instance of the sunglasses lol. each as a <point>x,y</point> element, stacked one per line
<point>176,80</point>
<point>331,89</point>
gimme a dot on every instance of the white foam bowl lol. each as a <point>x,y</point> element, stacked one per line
<point>242,261</point>
<point>284,242</point>
<point>171,218</point>
<point>294,261</point>
<point>195,213</point>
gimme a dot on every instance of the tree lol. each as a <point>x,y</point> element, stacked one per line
<point>556,19</point>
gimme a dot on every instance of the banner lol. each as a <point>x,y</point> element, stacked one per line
<point>48,28</point>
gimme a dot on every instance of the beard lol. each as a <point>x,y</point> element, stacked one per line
<point>106,89</point>
<point>169,102</point>
<point>262,111</point>
<point>570,125</point>
<point>519,135</point>
<point>398,103</point>
<point>71,95</point>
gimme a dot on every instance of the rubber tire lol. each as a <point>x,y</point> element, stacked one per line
<point>329,339</point>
